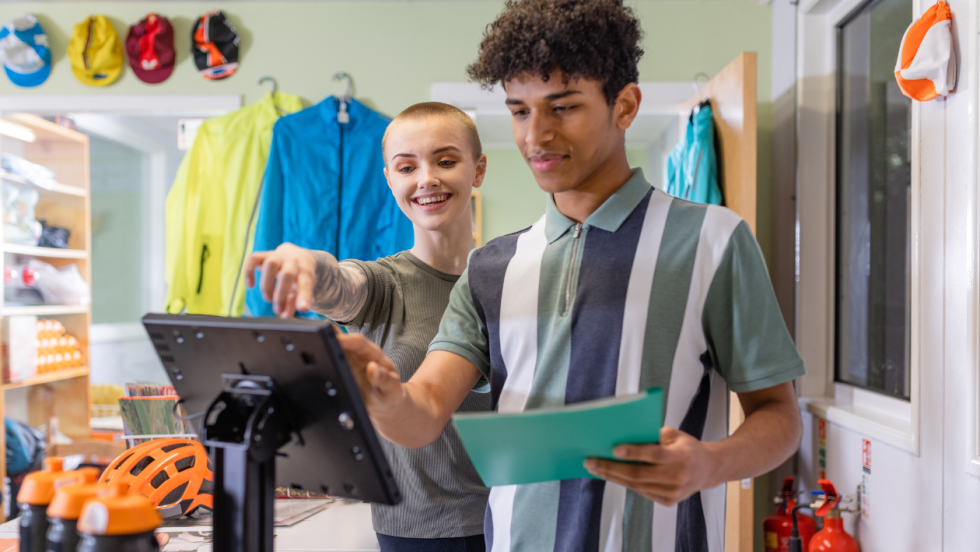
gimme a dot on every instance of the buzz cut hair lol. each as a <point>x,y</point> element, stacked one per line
<point>438,109</point>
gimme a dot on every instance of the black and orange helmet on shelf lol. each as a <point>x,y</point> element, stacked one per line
<point>175,474</point>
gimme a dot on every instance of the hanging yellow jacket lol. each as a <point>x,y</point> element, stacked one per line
<point>210,205</point>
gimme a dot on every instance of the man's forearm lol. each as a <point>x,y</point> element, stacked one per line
<point>340,290</point>
<point>412,421</point>
<point>769,435</point>
<point>414,414</point>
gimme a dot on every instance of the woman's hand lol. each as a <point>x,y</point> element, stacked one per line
<point>288,278</point>
<point>296,279</point>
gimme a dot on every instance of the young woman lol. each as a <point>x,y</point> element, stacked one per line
<point>433,160</point>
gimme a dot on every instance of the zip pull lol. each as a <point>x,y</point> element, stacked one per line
<point>571,267</point>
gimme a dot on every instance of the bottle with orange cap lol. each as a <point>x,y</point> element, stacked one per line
<point>36,494</point>
<point>66,507</point>
<point>115,521</point>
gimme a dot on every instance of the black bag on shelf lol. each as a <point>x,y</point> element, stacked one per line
<point>54,236</point>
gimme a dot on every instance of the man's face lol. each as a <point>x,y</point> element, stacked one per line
<point>565,131</point>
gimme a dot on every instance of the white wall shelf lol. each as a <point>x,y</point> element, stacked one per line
<point>48,252</point>
<point>56,188</point>
<point>46,310</point>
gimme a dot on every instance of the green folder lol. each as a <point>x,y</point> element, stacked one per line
<point>551,444</point>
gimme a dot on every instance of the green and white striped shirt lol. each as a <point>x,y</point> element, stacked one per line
<point>650,291</point>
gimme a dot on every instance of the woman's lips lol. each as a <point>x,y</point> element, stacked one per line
<point>432,202</point>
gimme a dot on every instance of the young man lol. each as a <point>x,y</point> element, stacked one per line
<point>433,160</point>
<point>619,287</point>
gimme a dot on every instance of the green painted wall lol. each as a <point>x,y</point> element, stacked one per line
<point>396,50</point>
<point>117,207</point>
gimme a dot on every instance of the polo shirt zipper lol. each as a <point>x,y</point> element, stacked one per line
<point>571,267</point>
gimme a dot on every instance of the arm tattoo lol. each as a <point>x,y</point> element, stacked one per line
<point>340,290</point>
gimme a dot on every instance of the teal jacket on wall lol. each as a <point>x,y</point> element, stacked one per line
<point>692,168</point>
<point>325,189</point>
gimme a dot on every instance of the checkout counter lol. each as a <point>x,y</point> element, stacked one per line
<point>342,526</point>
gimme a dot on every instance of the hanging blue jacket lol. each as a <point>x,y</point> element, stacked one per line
<point>692,168</point>
<point>325,189</point>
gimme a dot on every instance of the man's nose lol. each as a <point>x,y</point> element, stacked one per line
<point>538,129</point>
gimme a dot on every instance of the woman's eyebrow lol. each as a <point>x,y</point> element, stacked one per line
<point>447,148</point>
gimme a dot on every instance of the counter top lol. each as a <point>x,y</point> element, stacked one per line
<point>341,527</point>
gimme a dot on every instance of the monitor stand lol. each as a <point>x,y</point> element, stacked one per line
<point>245,426</point>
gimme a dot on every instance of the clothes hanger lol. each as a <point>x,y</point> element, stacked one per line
<point>275,88</point>
<point>342,115</point>
<point>702,101</point>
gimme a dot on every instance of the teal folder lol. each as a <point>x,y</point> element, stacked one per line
<point>551,444</point>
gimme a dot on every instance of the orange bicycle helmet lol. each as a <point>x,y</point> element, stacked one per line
<point>175,474</point>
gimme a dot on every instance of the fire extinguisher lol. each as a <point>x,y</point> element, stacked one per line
<point>833,537</point>
<point>778,527</point>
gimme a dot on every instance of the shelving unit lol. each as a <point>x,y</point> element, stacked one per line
<point>44,252</point>
<point>60,397</point>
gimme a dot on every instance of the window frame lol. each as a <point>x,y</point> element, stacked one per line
<point>887,419</point>
<point>838,172</point>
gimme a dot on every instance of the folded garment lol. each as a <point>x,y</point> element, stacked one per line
<point>32,172</point>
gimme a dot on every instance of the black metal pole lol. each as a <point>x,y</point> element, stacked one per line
<point>244,427</point>
<point>243,502</point>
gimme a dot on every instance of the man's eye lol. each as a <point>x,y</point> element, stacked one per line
<point>520,113</point>
<point>560,108</point>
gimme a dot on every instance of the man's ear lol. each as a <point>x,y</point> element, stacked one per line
<point>627,105</point>
<point>388,180</point>
<point>481,170</point>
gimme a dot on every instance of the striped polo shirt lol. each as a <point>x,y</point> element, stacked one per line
<point>650,291</point>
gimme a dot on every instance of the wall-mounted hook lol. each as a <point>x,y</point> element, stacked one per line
<point>275,85</point>
<point>697,89</point>
<point>349,91</point>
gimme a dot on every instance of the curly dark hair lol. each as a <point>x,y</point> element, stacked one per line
<point>592,39</point>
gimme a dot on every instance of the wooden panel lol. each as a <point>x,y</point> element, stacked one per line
<point>740,501</point>
<point>733,104</point>
<point>66,159</point>
<point>72,409</point>
<point>476,211</point>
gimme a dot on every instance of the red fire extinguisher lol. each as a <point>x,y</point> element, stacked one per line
<point>833,537</point>
<point>778,527</point>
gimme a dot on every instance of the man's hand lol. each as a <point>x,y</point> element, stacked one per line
<point>288,276</point>
<point>669,472</point>
<point>411,414</point>
<point>376,375</point>
<point>681,465</point>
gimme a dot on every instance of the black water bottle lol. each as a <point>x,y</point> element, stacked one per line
<point>63,514</point>
<point>115,521</point>
<point>35,494</point>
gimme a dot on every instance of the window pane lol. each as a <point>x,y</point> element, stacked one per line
<point>118,231</point>
<point>873,194</point>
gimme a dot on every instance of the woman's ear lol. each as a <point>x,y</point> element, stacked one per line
<point>388,180</point>
<point>481,170</point>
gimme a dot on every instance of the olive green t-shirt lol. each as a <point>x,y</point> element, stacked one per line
<point>443,495</point>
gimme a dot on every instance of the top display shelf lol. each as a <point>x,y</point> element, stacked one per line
<point>45,130</point>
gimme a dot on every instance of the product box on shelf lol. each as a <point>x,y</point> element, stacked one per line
<point>20,346</point>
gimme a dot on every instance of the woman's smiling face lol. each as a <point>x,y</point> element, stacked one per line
<point>431,170</point>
